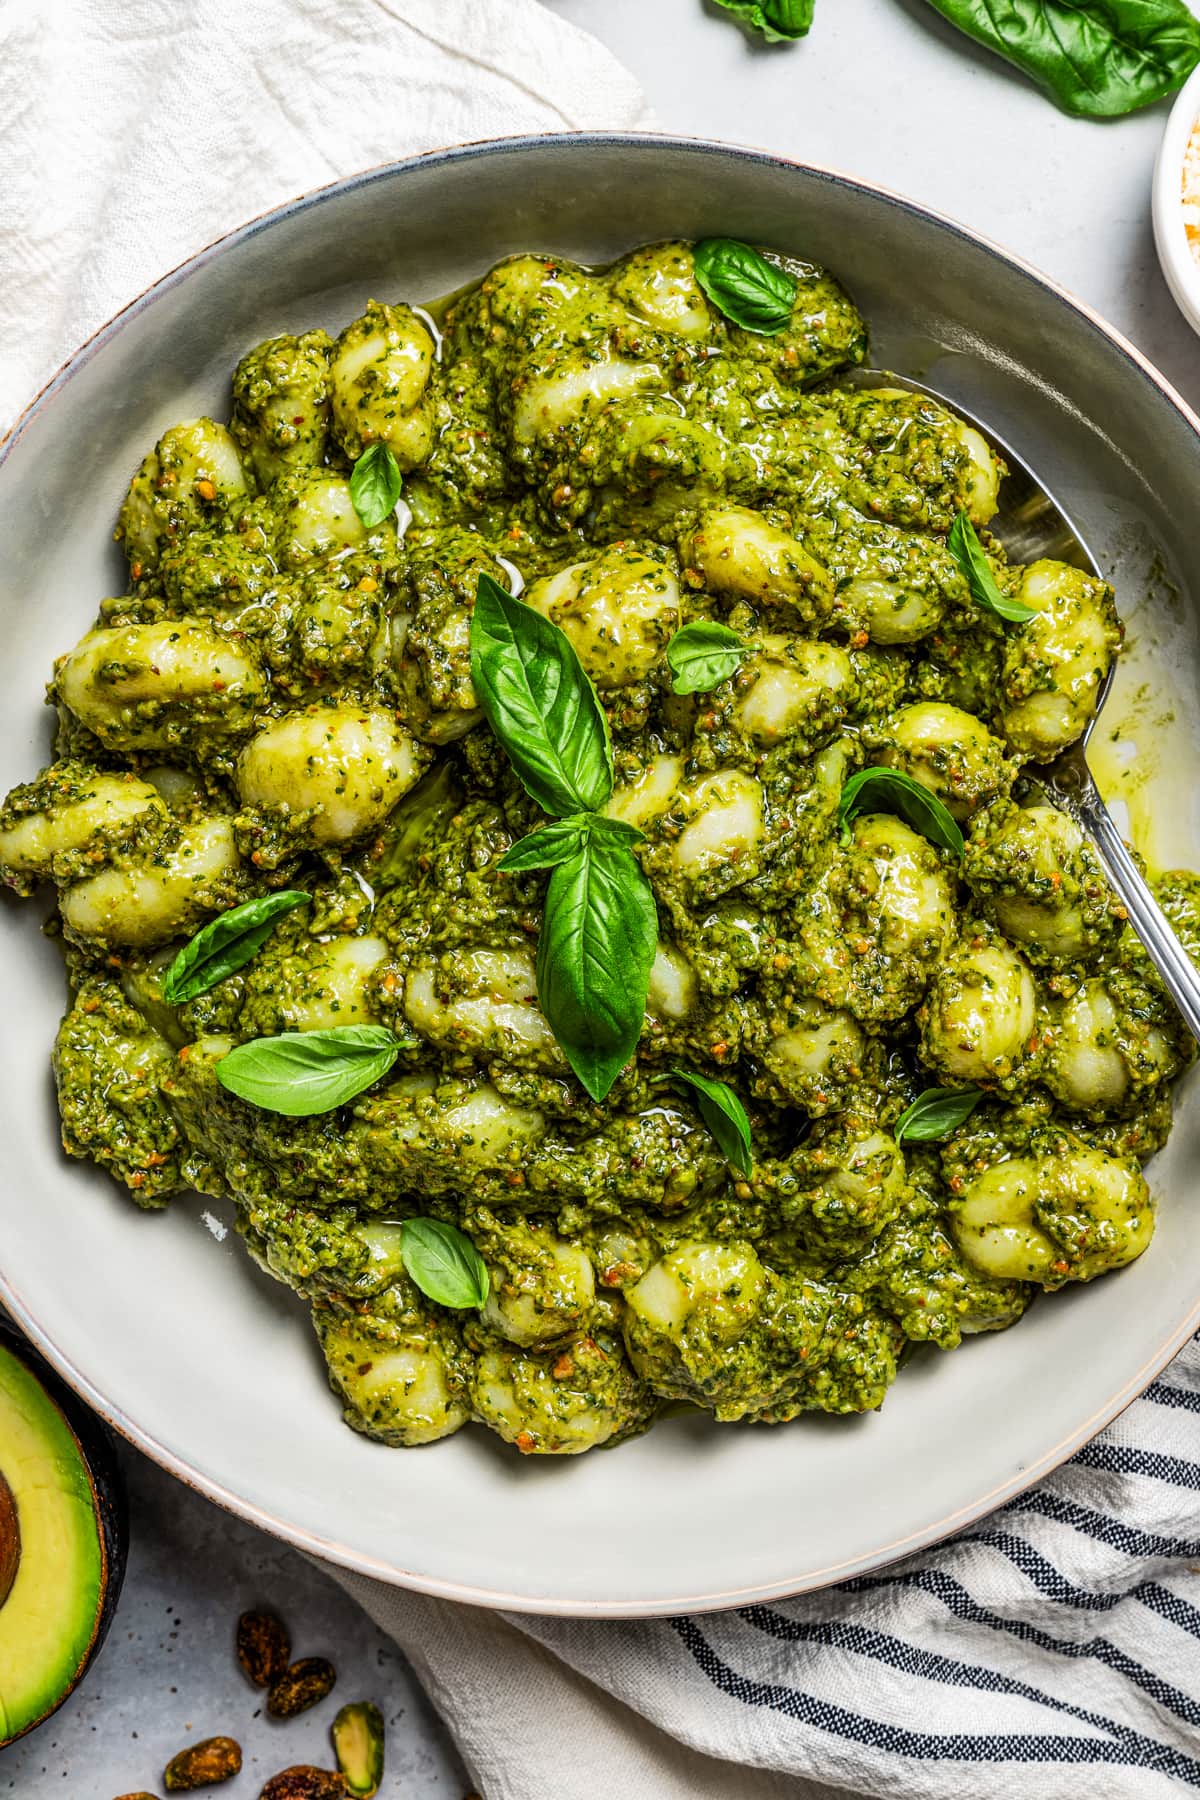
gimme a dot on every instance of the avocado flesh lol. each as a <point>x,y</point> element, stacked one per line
<point>49,1617</point>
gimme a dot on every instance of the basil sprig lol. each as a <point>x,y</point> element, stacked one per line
<point>744,286</point>
<point>1096,58</point>
<point>935,1114</point>
<point>780,21</point>
<point>301,1073</point>
<point>227,944</point>
<point>599,924</point>
<point>724,1115</point>
<point>375,484</point>
<point>597,943</point>
<point>540,703</point>
<point>891,791</point>
<point>967,551</point>
<point>444,1263</point>
<point>702,656</point>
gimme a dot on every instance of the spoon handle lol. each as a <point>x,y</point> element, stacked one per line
<point>1079,796</point>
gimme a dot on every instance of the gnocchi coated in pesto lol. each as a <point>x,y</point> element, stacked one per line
<point>281,698</point>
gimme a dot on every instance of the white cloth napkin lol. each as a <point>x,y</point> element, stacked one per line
<point>136,131</point>
<point>1053,1651</point>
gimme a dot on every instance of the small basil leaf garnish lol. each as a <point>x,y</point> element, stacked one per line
<point>227,944</point>
<point>744,286</point>
<point>547,847</point>
<point>444,1263</point>
<point>724,1115</point>
<point>553,844</point>
<point>780,21</point>
<point>540,703</point>
<point>935,1114</point>
<point>888,790</point>
<point>967,551</point>
<point>301,1073</point>
<point>1096,58</point>
<point>704,655</point>
<point>375,485</point>
<point>597,944</point>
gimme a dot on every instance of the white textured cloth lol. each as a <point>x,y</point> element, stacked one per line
<point>134,132</point>
<point>1052,1651</point>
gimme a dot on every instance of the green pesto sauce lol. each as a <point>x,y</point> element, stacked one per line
<point>283,698</point>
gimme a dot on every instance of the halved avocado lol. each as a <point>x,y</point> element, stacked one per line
<point>62,1538</point>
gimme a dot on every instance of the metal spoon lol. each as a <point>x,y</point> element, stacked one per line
<point>1031,524</point>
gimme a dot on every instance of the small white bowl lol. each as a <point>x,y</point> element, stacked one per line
<point>1179,261</point>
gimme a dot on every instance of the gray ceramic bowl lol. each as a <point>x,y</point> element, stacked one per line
<point>162,1323</point>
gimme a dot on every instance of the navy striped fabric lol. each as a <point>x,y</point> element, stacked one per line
<point>1053,1650</point>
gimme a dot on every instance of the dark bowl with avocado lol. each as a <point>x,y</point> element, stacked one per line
<point>63,1538</point>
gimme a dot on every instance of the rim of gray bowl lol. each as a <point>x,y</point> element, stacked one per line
<point>342,1554</point>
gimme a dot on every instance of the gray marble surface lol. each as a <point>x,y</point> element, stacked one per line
<point>882,89</point>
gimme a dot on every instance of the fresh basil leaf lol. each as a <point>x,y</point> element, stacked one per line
<point>301,1073</point>
<point>1096,58</point>
<point>935,1114</point>
<point>744,286</point>
<point>226,944</point>
<point>547,847</point>
<point>375,485</point>
<point>724,1115</point>
<point>444,1263</point>
<point>613,832</point>
<point>888,790</point>
<point>597,944</point>
<point>780,21</point>
<point>704,655</point>
<point>967,551</point>
<point>553,844</point>
<point>540,703</point>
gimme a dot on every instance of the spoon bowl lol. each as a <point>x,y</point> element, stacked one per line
<point>1031,524</point>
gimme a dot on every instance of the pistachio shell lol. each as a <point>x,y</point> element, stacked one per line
<point>203,1765</point>
<point>303,1782</point>
<point>357,1734</point>
<point>300,1687</point>
<point>264,1648</point>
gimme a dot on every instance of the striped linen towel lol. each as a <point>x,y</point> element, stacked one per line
<point>1051,1652</point>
